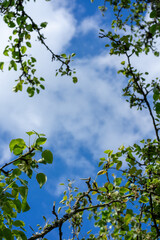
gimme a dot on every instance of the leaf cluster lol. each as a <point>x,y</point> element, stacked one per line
<point>19,44</point>
<point>13,187</point>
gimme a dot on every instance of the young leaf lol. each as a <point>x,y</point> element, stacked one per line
<point>30,133</point>
<point>17,143</point>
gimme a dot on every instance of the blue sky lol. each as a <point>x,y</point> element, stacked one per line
<point>80,121</point>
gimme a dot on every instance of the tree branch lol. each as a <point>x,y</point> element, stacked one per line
<point>144,96</point>
<point>153,215</point>
<point>59,222</point>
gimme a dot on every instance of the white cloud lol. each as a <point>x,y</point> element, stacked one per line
<point>55,188</point>
<point>88,24</point>
<point>5,153</point>
<point>91,113</point>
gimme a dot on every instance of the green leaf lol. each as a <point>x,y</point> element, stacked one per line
<point>153,14</point>
<point>65,198</point>
<point>2,184</point>
<point>6,233</point>
<point>41,141</point>
<point>23,191</point>
<point>119,165</point>
<point>41,179</point>
<point>29,27</point>
<point>29,172</point>
<point>17,202</point>
<point>1,66</point>
<point>110,186</point>
<point>28,44</point>
<point>44,24</point>
<point>153,29</point>
<point>23,49</point>
<point>19,86</point>
<point>75,79</point>
<point>19,235</point>
<point>100,163</point>
<point>30,133</point>
<point>13,65</point>
<point>18,223</point>
<point>30,91</point>
<point>101,172</point>
<point>94,192</point>
<point>7,208</point>
<point>123,190</point>
<point>48,156</point>
<point>25,206</point>
<point>16,172</point>
<point>17,145</point>
<point>103,189</point>
<point>64,55</point>
<point>157,108</point>
<point>33,59</point>
<point>156,94</point>
<point>17,150</point>
<point>127,219</point>
<point>117,181</point>
<point>132,170</point>
<point>156,54</point>
<point>2,177</point>
<point>144,199</point>
<point>42,86</point>
<point>59,209</point>
<point>107,151</point>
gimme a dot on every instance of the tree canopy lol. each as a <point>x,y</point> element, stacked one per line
<point>123,200</point>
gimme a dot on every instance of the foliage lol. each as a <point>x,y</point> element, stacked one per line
<point>13,187</point>
<point>23,26</point>
<point>124,199</point>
